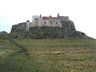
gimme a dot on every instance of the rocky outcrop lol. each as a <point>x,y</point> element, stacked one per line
<point>51,32</point>
<point>68,26</point>
<point>19,28</point>
<point>66,31</point>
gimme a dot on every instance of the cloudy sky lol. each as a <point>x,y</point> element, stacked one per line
<point>82,12</point>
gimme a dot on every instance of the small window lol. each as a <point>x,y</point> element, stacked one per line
<point>44,22</point>
<point>56,22</point>
<point>51,22</point>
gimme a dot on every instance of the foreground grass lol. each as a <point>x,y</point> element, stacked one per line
<point>55,55</point>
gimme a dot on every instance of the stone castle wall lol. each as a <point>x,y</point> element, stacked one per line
<point>46,22</point>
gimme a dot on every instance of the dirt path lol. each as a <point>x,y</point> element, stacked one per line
<point>22,48</point>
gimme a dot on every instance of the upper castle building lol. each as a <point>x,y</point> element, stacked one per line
<point>46,21</point>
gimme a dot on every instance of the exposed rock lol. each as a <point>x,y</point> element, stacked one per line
<point>51,32</point>
<point>19,28</point>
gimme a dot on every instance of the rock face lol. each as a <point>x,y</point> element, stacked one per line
<point>66,31</point>
<point>19,28</point>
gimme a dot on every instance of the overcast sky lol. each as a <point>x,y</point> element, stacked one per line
<point>82,12</point>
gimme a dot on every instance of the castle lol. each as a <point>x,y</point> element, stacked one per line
<point>40,21</point>
<point>44,27</point>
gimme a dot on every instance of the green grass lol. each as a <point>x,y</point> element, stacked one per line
<point>48,55</point>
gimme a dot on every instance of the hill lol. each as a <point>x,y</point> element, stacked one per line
<point>3,32</point>
<point>48,55</point>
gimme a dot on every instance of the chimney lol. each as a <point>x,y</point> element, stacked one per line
<point>50,16</point>
<point>57,14</point>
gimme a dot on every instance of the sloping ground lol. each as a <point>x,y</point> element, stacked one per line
<point>54,55</point>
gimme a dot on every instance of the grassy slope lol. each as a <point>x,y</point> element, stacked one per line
<point>57,55</point>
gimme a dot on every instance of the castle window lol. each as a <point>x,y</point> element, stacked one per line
<point>36,18</point>
<point>56,22</point>
<point>44,22</point>
<point>51,22</point>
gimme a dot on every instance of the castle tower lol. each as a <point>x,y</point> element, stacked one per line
<point>27,25</point>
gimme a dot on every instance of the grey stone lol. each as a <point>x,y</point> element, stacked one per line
<point>19,28</point>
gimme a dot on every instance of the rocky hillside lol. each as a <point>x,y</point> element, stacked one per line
<point>67,31</point>
<point>19,28</point>
<point>50,32</point>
